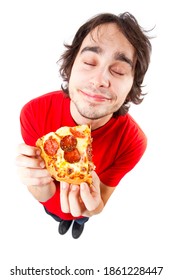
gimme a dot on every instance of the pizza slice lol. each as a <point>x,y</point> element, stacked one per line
<point>68,154</point>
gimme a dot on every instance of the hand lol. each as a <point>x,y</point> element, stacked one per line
<point>81,200</point>
<point>33,174</point>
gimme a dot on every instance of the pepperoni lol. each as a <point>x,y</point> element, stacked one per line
<point>51,146</point>
<point>77,133</point>
<point>68,143</point>
<point>72,156</point>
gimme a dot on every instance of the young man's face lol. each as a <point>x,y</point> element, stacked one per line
<point>102,73</point>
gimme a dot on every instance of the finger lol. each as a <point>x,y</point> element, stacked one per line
<point>90,199</point>
<point>74,201</point>
<point>64,191</point>
<point>39,192</point>
<point>28,150</point>
<point>26,161</point>
<point>36,181</point>
<point>32,173</point>
<point>96,182</point>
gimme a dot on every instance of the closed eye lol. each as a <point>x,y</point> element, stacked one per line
<point>89,63</point>
<point>118,73</point>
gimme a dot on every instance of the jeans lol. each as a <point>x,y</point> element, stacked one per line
<point>80,221</point>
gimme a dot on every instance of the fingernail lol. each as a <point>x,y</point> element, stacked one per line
<point>42,164</point>
<point>63,185</point>
<point>82,186</point>
<point>38,152</point>
<point>74,188</point>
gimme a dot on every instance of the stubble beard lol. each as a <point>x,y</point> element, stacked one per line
<point>91,111</point>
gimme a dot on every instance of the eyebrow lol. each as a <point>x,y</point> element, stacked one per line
<point>92,49</point>
<point>122,57</point>
<point>118,55</point>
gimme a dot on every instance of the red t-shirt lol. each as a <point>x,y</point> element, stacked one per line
<point>117,146</point>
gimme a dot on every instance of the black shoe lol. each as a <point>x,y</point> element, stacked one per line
<point>77,230</point>
<point>64,225</point>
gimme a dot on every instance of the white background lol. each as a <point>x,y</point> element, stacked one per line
<point>135,228</point>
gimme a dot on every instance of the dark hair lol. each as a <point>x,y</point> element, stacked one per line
<point>134,34</point>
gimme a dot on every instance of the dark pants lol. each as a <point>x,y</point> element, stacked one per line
<point>80,221</point>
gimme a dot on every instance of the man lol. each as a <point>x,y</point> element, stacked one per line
<point>103,70</point>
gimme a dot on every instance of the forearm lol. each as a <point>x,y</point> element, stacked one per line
<point>43,193</point>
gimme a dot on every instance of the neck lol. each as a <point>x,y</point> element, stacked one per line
<point>79,119</point>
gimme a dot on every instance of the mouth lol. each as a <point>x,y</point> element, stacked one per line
<point>95,96</point>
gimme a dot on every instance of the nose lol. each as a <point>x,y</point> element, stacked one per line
<point>100,79</point>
